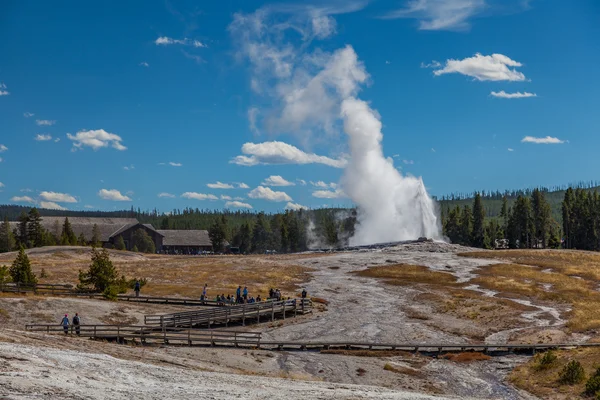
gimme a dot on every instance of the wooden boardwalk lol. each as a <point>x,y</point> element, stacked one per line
<point>228,338</point>
<point>232,314</point>
<point>68,290</point>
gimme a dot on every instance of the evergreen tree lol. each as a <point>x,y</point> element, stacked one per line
<point>35,230</point>
<point>95,236</point>
<point>21,232</point>
<point>164,224</point>
<point>7,239</point>
<point>521,223</point>
<point>478,233</point>
<point>20,271</point>
<point>101,273</point>
<point>120,243</point>
<point>67,236</point>
<point>135,249</point>
<point>542,217</point>
<point>245,234</point>
<point>81,240</point>
<point>218,234</point>
<point>466,223</point>
<point>567,217</point>
<point>504,214</point>
<point>493,232</point>
<point>260,234</point>
<point>143,242</point>
<point>452,225</point>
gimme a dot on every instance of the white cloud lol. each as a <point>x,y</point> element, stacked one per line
<point>239,198</point>
<point>165,194</point>
<point>301,182</point>
<point>96,139</point>
<point>26,190</point>
<point>242,185</point>
<point>28,114</point>
<point>43,138</point>
<point>484,68</point>
<point>129,167</point>
<point>408,162</point>
<point>295,206</point>
<point>396,155</point>
<point>3,148</point>
<point>440,14</point>
<point>252,114</point>
<point>321,184</point>
<point>50,205</point>
<point>542,140</point>
<point>56,140</point>
<point>2,91</point>
<point>1,159</point>
<point>509,149</point>
<point>44,122</point>
<point>329,194</point>
<point>88,206</point>
<point>432,150</point>
<point>199,196</point>
<point>219,185</point>
<point>113,195</point>
<point>144,64</point>
<point>58,197</point>
<point>175,164</point>
<point>1,184</point>
<point>224,197</point>
<point>281,153</point>
<point>266,193</point>
<point>22,199</point>
<point>517,95</point>
<point>165,41</point>
<point>277,180</point>
<point>237,204</point>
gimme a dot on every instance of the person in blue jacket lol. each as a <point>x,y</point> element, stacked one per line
<point>245,294</point>
<point>65,324</point>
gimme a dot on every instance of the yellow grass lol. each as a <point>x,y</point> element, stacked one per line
<point>544,383</point>
<point>398,369</point>
<point>406,274</point>
<point>573,276</point>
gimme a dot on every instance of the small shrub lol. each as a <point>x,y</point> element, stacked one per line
<point>592,386</point>
<point>4,274</point>
<point>43,274</point>
<point>546,361</point>
<point>131,282</point>
<point>572,373</point>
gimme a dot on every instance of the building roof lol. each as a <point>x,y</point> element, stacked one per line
<point>185,238</point>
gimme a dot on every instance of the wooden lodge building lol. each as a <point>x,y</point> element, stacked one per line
<point>109,229</point>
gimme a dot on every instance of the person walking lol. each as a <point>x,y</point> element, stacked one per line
<point>76,324</point>
<point>204,292</point>
<point>136,288</point>
<point>304,293</point>
<point>65,324</point>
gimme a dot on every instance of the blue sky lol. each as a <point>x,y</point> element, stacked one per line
<point>105,105</point>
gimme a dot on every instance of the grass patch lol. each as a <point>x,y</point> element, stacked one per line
<point>466,357</point>
<point>398,369</point>
<point>406,274</point>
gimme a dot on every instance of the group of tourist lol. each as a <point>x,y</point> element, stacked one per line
<point>242,296</point>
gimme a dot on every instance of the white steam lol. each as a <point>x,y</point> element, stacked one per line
<point>318,92</point>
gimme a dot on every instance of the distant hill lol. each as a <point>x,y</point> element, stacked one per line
<point>492,201</point>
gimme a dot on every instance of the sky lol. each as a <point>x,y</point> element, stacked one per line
<point>174,104</point>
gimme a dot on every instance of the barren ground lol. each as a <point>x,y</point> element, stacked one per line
<point>422,293</point>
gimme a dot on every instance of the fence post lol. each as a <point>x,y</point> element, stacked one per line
<point>258,314</point>
<point>272,311</point>
<point>244,315</point>
<point>284,309</point>
<point>190,336</point>
<point>94,331</point>
<point>235,343</point>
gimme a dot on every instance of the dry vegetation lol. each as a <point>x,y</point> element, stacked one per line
<point>406,274</point>
<point>179,276</point>
<point>566,277</point>
<point>466,357</point>
<point>545,382</point>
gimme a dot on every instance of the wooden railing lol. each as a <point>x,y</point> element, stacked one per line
<point>166,335</point>
<point>235,313</point>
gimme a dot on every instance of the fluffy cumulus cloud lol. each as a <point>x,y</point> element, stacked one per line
<point>329,194</point>
<point>542,140</point>
<point>484,68</point>
<point>112,195</point>
<point>237,204</point>
<point>43,137</point>
<point>50,205</point>
<point>242,185</point>
<point>3,148</point>
<point>295,206</point>
<point>277,180</point>
<point>220,185</point>
<point>3,91</point>
<point>281,153</point>
<point>321,184</point>
<point>44,122</point>
<point>166,195</point>
<point>58,197</point>
<point>22,199</point>
<point>301,182</point>
<point>165,41</point>
<point>144,64</point>
<point>225,197</point>
<point>199,196</point>
<point>517,95</point>
<point>266,193</point>
<point>440,14</point>
<point>96,139</point>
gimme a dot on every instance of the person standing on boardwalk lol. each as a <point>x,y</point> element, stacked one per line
<point>238,294</point>
<point>204,292</point>
<point>303,293</point>
<point>65,324</point>
<point>245,294</point>
<point>136,288</point>
<point>76,323</point>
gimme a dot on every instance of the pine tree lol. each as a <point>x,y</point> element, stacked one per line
<point>466,222</point>
<point>7,239</point>
<point>504,214</point>
<point>245,242</point>
<point>67,236</point>
<point>567,217</point>
<point>135,249</point>
<point>120,243</point>
<point>95,236</point>
<point>21,232</point>
<point>101,273</point>
<point>20,271</point>
<point>81,240</point>
<point>143,242</point>
<point>522,223</point>
<point>35,230</point>
<point>478,233</point>
<point>217,234</point>
<point>542,217</point>
<point>260,234</point>
<point>452,226</point>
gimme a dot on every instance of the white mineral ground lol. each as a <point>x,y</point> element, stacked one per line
<point>34,365</point>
